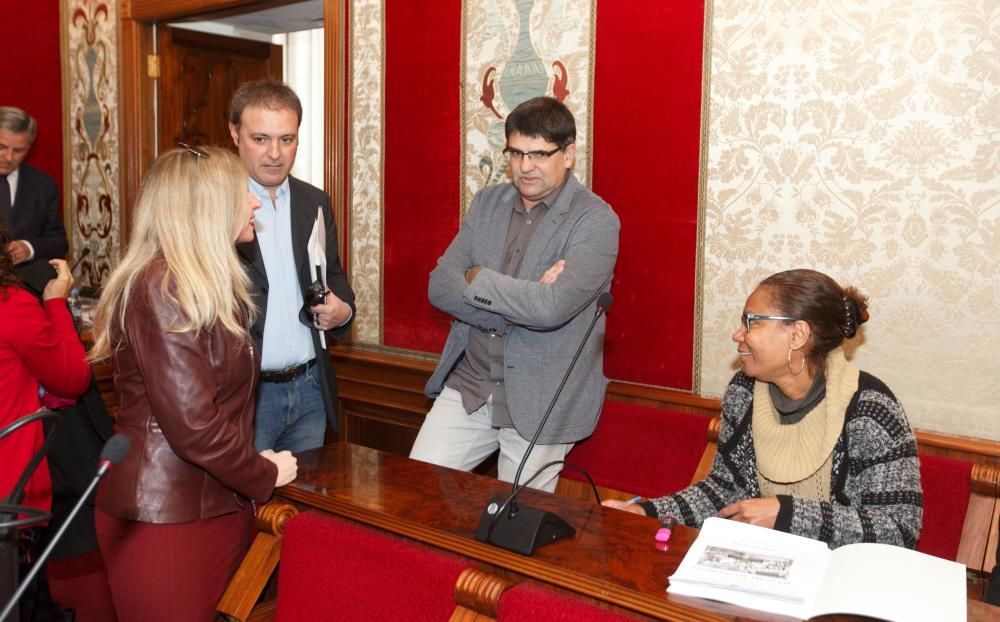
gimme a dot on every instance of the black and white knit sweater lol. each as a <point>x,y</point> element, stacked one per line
<point>875,493</point>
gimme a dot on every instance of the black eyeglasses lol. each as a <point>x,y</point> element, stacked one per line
<point>197,152</point>
<point>532,156</point>
<point>749,318</point>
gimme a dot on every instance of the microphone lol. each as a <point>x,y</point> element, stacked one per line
<point>83,253</point>
<point>112,453</point>
<point>523,529</point>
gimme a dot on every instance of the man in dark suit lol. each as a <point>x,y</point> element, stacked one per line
<point>29,199</point>
<point>296,397</point>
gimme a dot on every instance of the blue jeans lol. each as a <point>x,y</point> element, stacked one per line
<point>290,415</point>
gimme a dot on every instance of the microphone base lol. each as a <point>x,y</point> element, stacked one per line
<point>525,531</point>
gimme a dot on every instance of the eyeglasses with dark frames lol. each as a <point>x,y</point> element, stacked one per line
<point>749,318</point>
<point>515,155</point>
<point>197,152</point>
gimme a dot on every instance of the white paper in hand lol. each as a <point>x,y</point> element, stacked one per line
<point>316,248</point>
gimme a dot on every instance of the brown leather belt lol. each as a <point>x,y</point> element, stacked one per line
<point>287,374</point>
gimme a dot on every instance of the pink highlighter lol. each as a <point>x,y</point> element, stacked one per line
<point>666,529</point>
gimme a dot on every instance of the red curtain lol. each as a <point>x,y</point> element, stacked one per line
<point>647,116</point>
<point>422,164</point>
<point>30,76</point>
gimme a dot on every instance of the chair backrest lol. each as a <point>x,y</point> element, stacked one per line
<point>641,450</point>
<point>525,602</point>
<point>946,486</point>
<point>16,494</point>
<point>332,569</point>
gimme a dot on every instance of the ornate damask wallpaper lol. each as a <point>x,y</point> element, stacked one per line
<point>365,136</point>
<point>90,86</point>
<point>863,139</point>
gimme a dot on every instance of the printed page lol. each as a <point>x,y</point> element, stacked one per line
<point>752,567</point>
<point>892,583</point>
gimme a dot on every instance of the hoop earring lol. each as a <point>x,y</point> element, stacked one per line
<point>801,367</point>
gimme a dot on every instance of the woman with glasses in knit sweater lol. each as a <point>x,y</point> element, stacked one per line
<point>808,443</point>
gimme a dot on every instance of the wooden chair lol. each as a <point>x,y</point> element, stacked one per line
<point>334,569</point>
<point>977,542</point>
<point>477,595</point>
<point>526,601</point>
<point>244,589</point>
<point>636,450</point>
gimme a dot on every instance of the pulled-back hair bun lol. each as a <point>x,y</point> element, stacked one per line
<point>855,311</point>
<point>834,313</point>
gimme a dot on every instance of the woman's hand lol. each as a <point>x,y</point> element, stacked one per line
<point>634,508</point>
<point>60,286</point>
<point>288,466</point>
<point>761,512</point>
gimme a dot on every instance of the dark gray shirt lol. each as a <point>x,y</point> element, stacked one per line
<point>479,373</point>
<point>792,411</point>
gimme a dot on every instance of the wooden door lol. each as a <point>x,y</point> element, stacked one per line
<point>199,73</point>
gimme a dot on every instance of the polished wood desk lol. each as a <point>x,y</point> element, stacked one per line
<point>612,559</point>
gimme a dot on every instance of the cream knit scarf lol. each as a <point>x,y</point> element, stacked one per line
<point>795,452</point>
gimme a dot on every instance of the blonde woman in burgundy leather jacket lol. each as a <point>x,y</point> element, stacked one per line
<point>174,518</point>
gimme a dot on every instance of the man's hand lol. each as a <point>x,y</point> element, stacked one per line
<point>553,273</point>
<point>331,313</point>
<point>761,512</point>
<point>471,273</point>
<point>19,251</point>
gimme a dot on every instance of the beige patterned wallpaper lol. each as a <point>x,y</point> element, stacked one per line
<point>365,136</point>
<point>863,139</point>
<point>90,101</point>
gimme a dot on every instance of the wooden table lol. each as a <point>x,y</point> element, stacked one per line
<point>612,559</point>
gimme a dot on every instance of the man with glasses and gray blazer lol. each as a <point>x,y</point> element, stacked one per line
<point>521,280</point>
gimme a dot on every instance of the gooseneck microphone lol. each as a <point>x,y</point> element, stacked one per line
<point>76,264</point>
<point>112,453</point>
<point>523,529</point>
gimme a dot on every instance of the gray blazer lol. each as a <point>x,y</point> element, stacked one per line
<point>544,323</point>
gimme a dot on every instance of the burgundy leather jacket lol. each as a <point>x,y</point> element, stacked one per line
<point>186,401</point>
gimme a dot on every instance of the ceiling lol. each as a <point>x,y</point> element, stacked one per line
<point>293,17</point>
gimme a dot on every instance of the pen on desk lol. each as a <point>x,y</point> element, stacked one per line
<point>625,504</point>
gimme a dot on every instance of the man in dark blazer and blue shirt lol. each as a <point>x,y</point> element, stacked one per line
<point>29,199</point>
<point>297,394</point>
<point>521,280</point>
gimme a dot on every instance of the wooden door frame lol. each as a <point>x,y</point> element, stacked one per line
<point>136,147</point>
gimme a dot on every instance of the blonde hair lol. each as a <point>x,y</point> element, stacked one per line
<point>189,211</point>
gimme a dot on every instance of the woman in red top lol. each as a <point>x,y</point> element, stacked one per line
<point>38,346</point>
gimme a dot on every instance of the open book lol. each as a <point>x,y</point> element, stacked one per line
<point>773,571</point>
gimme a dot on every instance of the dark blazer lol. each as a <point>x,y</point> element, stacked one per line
<point>35,214</point>
<point>305,198</point>
<point>83,429</point>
